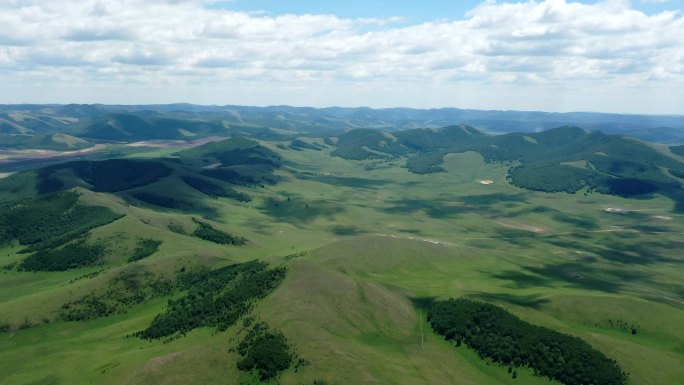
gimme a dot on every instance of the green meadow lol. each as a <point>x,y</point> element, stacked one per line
<point>367,245</point>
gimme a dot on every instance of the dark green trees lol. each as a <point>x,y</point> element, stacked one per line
<point>216,298</point>
<point>70,256</point>
<point>144,249</point>
<point>209,233</point>
<point>50,220</point>
<point>265,351</point>
<point>500,336</point>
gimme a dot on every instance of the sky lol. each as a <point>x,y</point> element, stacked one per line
<point>554,55</point>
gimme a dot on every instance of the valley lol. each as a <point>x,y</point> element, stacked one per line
<point>358,233</point>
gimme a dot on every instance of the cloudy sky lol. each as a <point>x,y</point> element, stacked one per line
<point>554,55</point>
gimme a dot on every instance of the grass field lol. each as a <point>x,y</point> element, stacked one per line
<point>366,244</point>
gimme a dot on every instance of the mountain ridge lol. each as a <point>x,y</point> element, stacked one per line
<point>161,120</point>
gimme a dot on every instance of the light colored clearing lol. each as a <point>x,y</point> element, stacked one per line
<point>19,117</point>
<point>530,139</point>
<point>600,153</point>
<point>157,363</point>
<point>5,174</point>
<point>85,150</point>
<point>521,226</point>
<point>66,120</point>
<point>14,155</point>
<point>114,124</point>
<point>618,210</point>
<point>578,252</point>
<point>176,143</point>
<point>390,136</point>
<point>661,217</point>
<point>579,164</point>
<point>156,143</point>
<point>485,182</point>
<point>17,127</point>
<point>186,132</point>
<point>67,139</point>
<point>237,115</point>
<point>427,240</point>
<point>375,152</point>
<point>212,166</point>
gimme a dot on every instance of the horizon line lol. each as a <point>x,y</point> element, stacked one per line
<point>342,107</point>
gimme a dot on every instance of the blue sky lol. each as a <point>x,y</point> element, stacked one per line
<point>411,10</point>
<point>549,55</point>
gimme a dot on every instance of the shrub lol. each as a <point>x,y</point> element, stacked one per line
<point>144,249</point>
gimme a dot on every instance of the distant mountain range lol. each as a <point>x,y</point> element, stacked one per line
<point>563,159</point>
<point>31,126</point>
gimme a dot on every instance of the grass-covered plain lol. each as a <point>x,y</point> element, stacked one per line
<point>367,244</point>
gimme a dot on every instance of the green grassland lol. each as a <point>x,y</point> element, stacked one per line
<point>367,244</point>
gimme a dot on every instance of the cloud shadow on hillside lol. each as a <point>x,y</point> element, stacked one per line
<point>297,211</point>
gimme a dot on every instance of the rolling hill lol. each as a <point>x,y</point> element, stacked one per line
<point>208,169</point>
<point>561,159</point>
<point>127,128</point>
<point>310,259</point>
<point>185,121</point>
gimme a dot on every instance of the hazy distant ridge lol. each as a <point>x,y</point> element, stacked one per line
<point>41,118</point>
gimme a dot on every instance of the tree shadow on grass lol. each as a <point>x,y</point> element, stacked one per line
<point>423,302</point>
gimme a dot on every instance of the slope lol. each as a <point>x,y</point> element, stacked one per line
<point>562,159</point>
<point>366,249</point>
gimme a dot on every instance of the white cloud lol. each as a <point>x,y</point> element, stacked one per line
<point>504,55</point>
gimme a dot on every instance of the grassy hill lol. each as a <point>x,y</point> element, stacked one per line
<point>328,266</point>
<point>128,127</point>
<point>237,161</point>
<point>366,143</point>
<point>56,141</point>
<point>564,159</point>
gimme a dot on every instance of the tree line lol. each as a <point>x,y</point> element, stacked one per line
<point>209,233</point>
<point>50,220</point>
<point>73,255</point>
<point>144,249</point>
<point>497,335</point>
<point>215,298</point>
